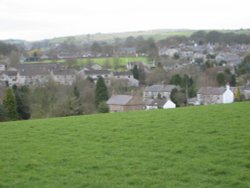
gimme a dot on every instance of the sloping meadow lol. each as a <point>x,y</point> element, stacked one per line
<point>206,146</point>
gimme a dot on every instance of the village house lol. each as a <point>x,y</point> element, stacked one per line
<point>160,103</point>
<point>2,67</point>
<point>9,77</point>
<point>35,74</point>
<point>215,95</point>
<point>64,76</point>
<point>44,57</point>
<point>229,58</point>
<point>95,74</point>
<point>40,73</point>
<point>127,76</point>
<point>170,52</point>
<point>156,91</point>
<point>246,92</point>
<point>123,103</point>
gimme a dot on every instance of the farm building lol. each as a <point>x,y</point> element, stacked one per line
<point>123,103</point>
<point>154,91</point>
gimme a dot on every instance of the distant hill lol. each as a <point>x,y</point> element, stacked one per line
<point>205,146</point>
<point>110,37</point>
<point>157,34</point>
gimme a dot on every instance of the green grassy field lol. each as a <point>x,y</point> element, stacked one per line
<point>112,60</point>
<point>101,61</point>
<point>207,146</point>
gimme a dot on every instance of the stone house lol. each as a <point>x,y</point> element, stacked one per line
<point>123,103</point>
<point>33,75</point>
<point>64,76</point>
<point>170,52</point>
<point>159,103</point>
<point>155,91</point>
<point>2,67</point>
<point>215,95</point>
<point>127,76</point>
<point>95,74</point>
<point>9,77</point>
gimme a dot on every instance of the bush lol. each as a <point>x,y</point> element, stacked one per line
<point>103,107</point>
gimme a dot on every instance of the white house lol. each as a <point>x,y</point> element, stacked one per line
<point>159,103</point>
<point>169,104</point>
<point>2,67</point>
<point>154,91</point>
<point>215,95</point>
<point>154,103</point>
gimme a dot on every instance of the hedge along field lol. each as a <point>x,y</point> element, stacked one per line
<point>206,146</point>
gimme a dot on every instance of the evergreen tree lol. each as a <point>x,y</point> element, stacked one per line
<point>221,79</point>
<point>135,72</point>
<point>176,80</point>
<point>22,104</point>
<point>233,80</point>
<point>178,97</point>
<point>76,92</point>
<point>3,114</point>
<point>101,91</point>
<point>9,103</point>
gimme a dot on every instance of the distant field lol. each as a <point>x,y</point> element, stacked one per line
<point>101,61</point>
<point>112,60</point>
<point>207,146</point>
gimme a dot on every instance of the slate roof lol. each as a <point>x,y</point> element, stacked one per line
<point>38,68</point>
<point>119,99</point>
<point>10,73</point>
<point>124,73</point>
<point>211,90</point>
<point>64,72</point>
<point>39,65</point>
<point>97,72</point>
<point>157,102</point>
<point>160,88</point>
<point>30,71</point>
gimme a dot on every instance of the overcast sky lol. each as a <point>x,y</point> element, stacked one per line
<point>35,20</point>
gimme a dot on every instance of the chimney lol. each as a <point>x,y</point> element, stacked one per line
<point>228,86</point>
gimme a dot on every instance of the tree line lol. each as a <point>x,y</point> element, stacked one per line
<point>54,100</point>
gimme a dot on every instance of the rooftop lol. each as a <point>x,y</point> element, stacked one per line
<point>119,99</point>
<point>160,88</point>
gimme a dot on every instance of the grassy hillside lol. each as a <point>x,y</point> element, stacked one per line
<point>112,61</point>
<point>207,146</point>
<point>157,34</point>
